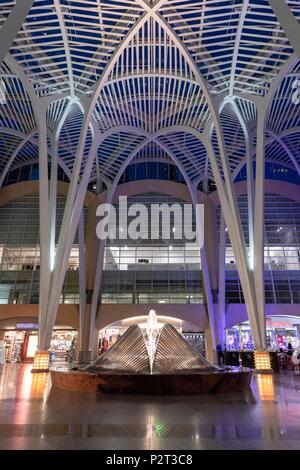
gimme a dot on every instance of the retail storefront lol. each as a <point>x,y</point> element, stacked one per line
<point>22,339</point>
<point>281,330</point>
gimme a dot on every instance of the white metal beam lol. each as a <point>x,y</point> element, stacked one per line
<point>58,9</point>
<point>288,22</point>
<point>12,26</point>
<point>6,169</point>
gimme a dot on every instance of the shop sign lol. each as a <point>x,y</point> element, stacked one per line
<point>27,326</point>
<point>278,324</point>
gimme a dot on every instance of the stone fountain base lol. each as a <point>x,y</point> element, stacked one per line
<point>231,380</point>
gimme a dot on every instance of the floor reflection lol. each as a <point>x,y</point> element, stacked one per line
<point>34,415</point>
<point>265,384</point>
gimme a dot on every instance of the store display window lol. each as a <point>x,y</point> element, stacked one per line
<point>63,346</point>
<point>13,342</point>
<point>21,346</point>
<point>232,339</point>
<point>196,340</point>
<point>280,331</point>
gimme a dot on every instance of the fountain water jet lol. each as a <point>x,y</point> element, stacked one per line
<point>152,331</point>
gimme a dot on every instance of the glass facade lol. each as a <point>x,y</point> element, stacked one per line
<point>20,253</point>
<point>148,271</point>
<point>282,252</point>
<point>152,170</point>
<point>152,271</point>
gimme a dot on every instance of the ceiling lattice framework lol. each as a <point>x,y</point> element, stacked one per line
<point>238,46</point>
<point>144,59</point>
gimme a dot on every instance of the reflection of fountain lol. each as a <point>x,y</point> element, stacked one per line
<point>152,332</point>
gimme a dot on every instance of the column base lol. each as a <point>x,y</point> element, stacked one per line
<point>85,357</point>
<point>262,362</point>
<point>41,362</point>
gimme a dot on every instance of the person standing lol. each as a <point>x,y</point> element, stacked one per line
<point>290,349</point>
<point>220,354</point>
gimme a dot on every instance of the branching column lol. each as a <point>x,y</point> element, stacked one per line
<point>288,22</point>
<point>232,219</point>
<point>88,265</point>
<point>213,262</point>
<point>259,222</point>
<point>222,282</point>
<point>44,207</point>
<point>12,26</point>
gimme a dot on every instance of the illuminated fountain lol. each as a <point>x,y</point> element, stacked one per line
<point>152,332</point>
<point>157,360</point>
<point>158,350</point>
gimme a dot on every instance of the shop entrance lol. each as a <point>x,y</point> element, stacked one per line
<point>19,343</point>
<point>281,330</point>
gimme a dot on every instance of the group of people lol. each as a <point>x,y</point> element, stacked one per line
<point>220,352</point>
<point>289,349</point>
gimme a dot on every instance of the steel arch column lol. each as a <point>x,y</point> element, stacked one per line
<point>12,26</point>
<point>288,22</point>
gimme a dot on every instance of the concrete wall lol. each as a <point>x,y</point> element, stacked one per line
<point>68,315</point>
<point>110,313</point>
<point>26,188</point>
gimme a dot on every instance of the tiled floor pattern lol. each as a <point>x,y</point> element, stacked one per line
<point>35,416</point>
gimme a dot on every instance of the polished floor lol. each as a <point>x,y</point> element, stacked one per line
<point>35,416</point>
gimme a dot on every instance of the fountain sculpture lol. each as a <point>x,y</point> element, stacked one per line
<point>153,360</point>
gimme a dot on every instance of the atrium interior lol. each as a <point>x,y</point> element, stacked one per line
<point>116,108</point>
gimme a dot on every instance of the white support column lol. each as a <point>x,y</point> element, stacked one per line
<point>209,299</point>
<point>209,263</point>
<point>53,197</point>
<point>12,26</point>
<point>53,180</point>
<point>249,138</point>
<point>82,280</point>
<point>250,196</point>
<point>288,22</point>
<point>44,210</point>
<point>48,214</point>
<point>96,293</point>
<point>91,250</point>
<point>71,219</point>
<point>259,220</point>
<point>233,223</point>
<point>222,281</point>
<point>99,273</point>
